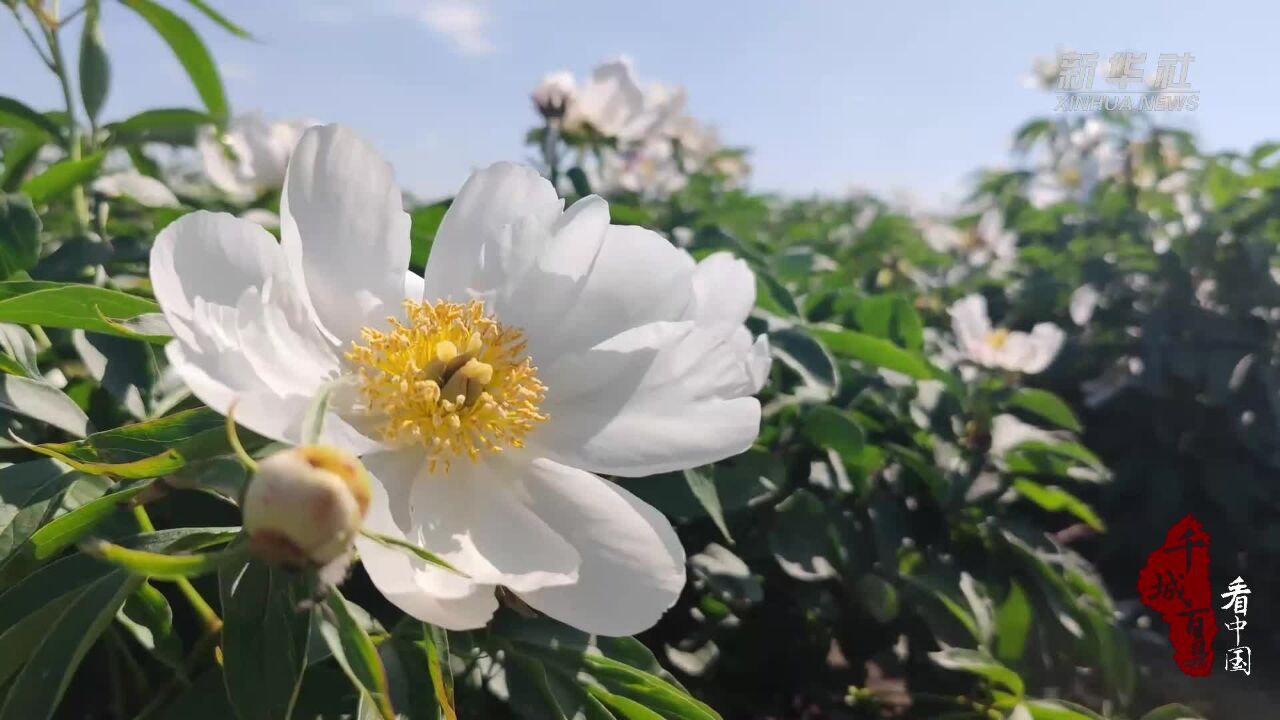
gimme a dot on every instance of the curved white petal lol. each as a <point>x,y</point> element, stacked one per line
<point>472,248</point>
<point>1046,339</point>
<point>477,518</point>
<point>660,397</point>
<point>423,590</point>
<point>222,171</point>
<point>632,563</point>
<point>142,189</point>
<point>970,323</point>
<point>724,290</point>
<point>213,256</point>
<point>343,225</point>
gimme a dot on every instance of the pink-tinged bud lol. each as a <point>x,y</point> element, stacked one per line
<point>305,506</point>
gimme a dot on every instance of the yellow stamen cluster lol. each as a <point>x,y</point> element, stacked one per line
<point>450,378</point>
<point>997,338</point>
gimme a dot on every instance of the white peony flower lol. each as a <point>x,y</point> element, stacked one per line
<point>543,346</point>
<point>142,189</point>
<point>250,156</point>
<point>1001,348</point>
<point>555,93</point>
<point>611,102</point>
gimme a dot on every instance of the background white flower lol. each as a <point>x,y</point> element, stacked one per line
<point>1001,348</point>
<point>543,345</point>
<point>250,157</point>
<point>142,189</point>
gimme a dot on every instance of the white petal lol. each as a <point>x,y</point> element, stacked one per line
<point>970,323</point>
<point>423,590</point>
<point>632,563</point>
<point>142,189</point>
<point>1047,340</point>
<point>481,217</point>
<point>1083,302</point>
<point>412,285</point>
<point>638,278</point>
<point>724,290</point>
<point>661,397</point>
<point>212,256</point>
<point>476,517</point>
<point>344,226</point>
<point>221,170</point>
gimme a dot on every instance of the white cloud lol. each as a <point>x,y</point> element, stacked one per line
<point>464,22</point>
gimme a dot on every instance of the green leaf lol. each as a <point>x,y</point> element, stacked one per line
<point>68,305</point>
<point>264,639</point>
<point>799,351</point>
<point>1172,712</point>
<point>878,596</point>
<point>422,232</point>
<point>873,351</point>
<point>20,155</point>
<point>828,427</point>
<point>892,318</point>
<point>150,448</point>
<point>581,185</point>
<point>420,553</point>
<point>1060,710</point>
<point>148,619</point>
<point>1055,499</point>
<point>703,486</point>
<point>1013,623</point>
<point>39,686</point>
<point>190,51</point>
<point>978,662</point>
<point>68,529</point>
<point>30,493</point>
<point>14,114</point>
<point>95,68</point>
<point>40,400</point>
<point>175,126</point>
<point>124,368</point>
<point>802,540</point>
<point>1047,406</point>
<point>355,653</point>
<point>774,297</point>
<point>19,235</point>
<point>220,19</point>
<point>61,176</point>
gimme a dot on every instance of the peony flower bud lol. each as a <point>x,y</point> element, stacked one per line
<point>305,506</point>
<point>554,93</point>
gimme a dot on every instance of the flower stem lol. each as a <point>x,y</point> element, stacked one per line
<point>208,616</point>
<point>79,202</point>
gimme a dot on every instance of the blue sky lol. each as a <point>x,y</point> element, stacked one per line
<point>828,94</point>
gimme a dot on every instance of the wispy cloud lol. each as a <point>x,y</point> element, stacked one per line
<point>464,22</point>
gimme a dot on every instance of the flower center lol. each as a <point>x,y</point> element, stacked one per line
<point>997,338</point>
<point>450,378</point>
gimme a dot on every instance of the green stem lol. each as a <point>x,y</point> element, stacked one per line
<point>208,616</point>
<point>79,201</point>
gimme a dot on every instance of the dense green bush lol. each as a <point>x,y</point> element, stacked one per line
<point>929,525</point>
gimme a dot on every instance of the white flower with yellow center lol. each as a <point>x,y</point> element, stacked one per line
<point>999,347</point>
<point>542,346</point>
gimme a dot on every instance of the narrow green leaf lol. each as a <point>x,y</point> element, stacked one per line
<point>19,235</point>
<point>873,351</point>
<point>190,51</point>
<point>15,114</point>
<point>1047,406</point>
<point>1172,712</point>
<point>39,687</point>
<point>95,68</point>
<point>978,662</point>
<point>68,305</point>
<point>703,486</point>
<point>175,126</point>
<point>1056,499</point>
<point>61,176</point>
<point>220,19</point>
<point>1013,623</point>
<point>72,527</point>
<point>774,297</point>
<point>809,358</point>
<point>421,553</point>
<point>264,639</point>
<point>20,155</point>
<point>355,653</point>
